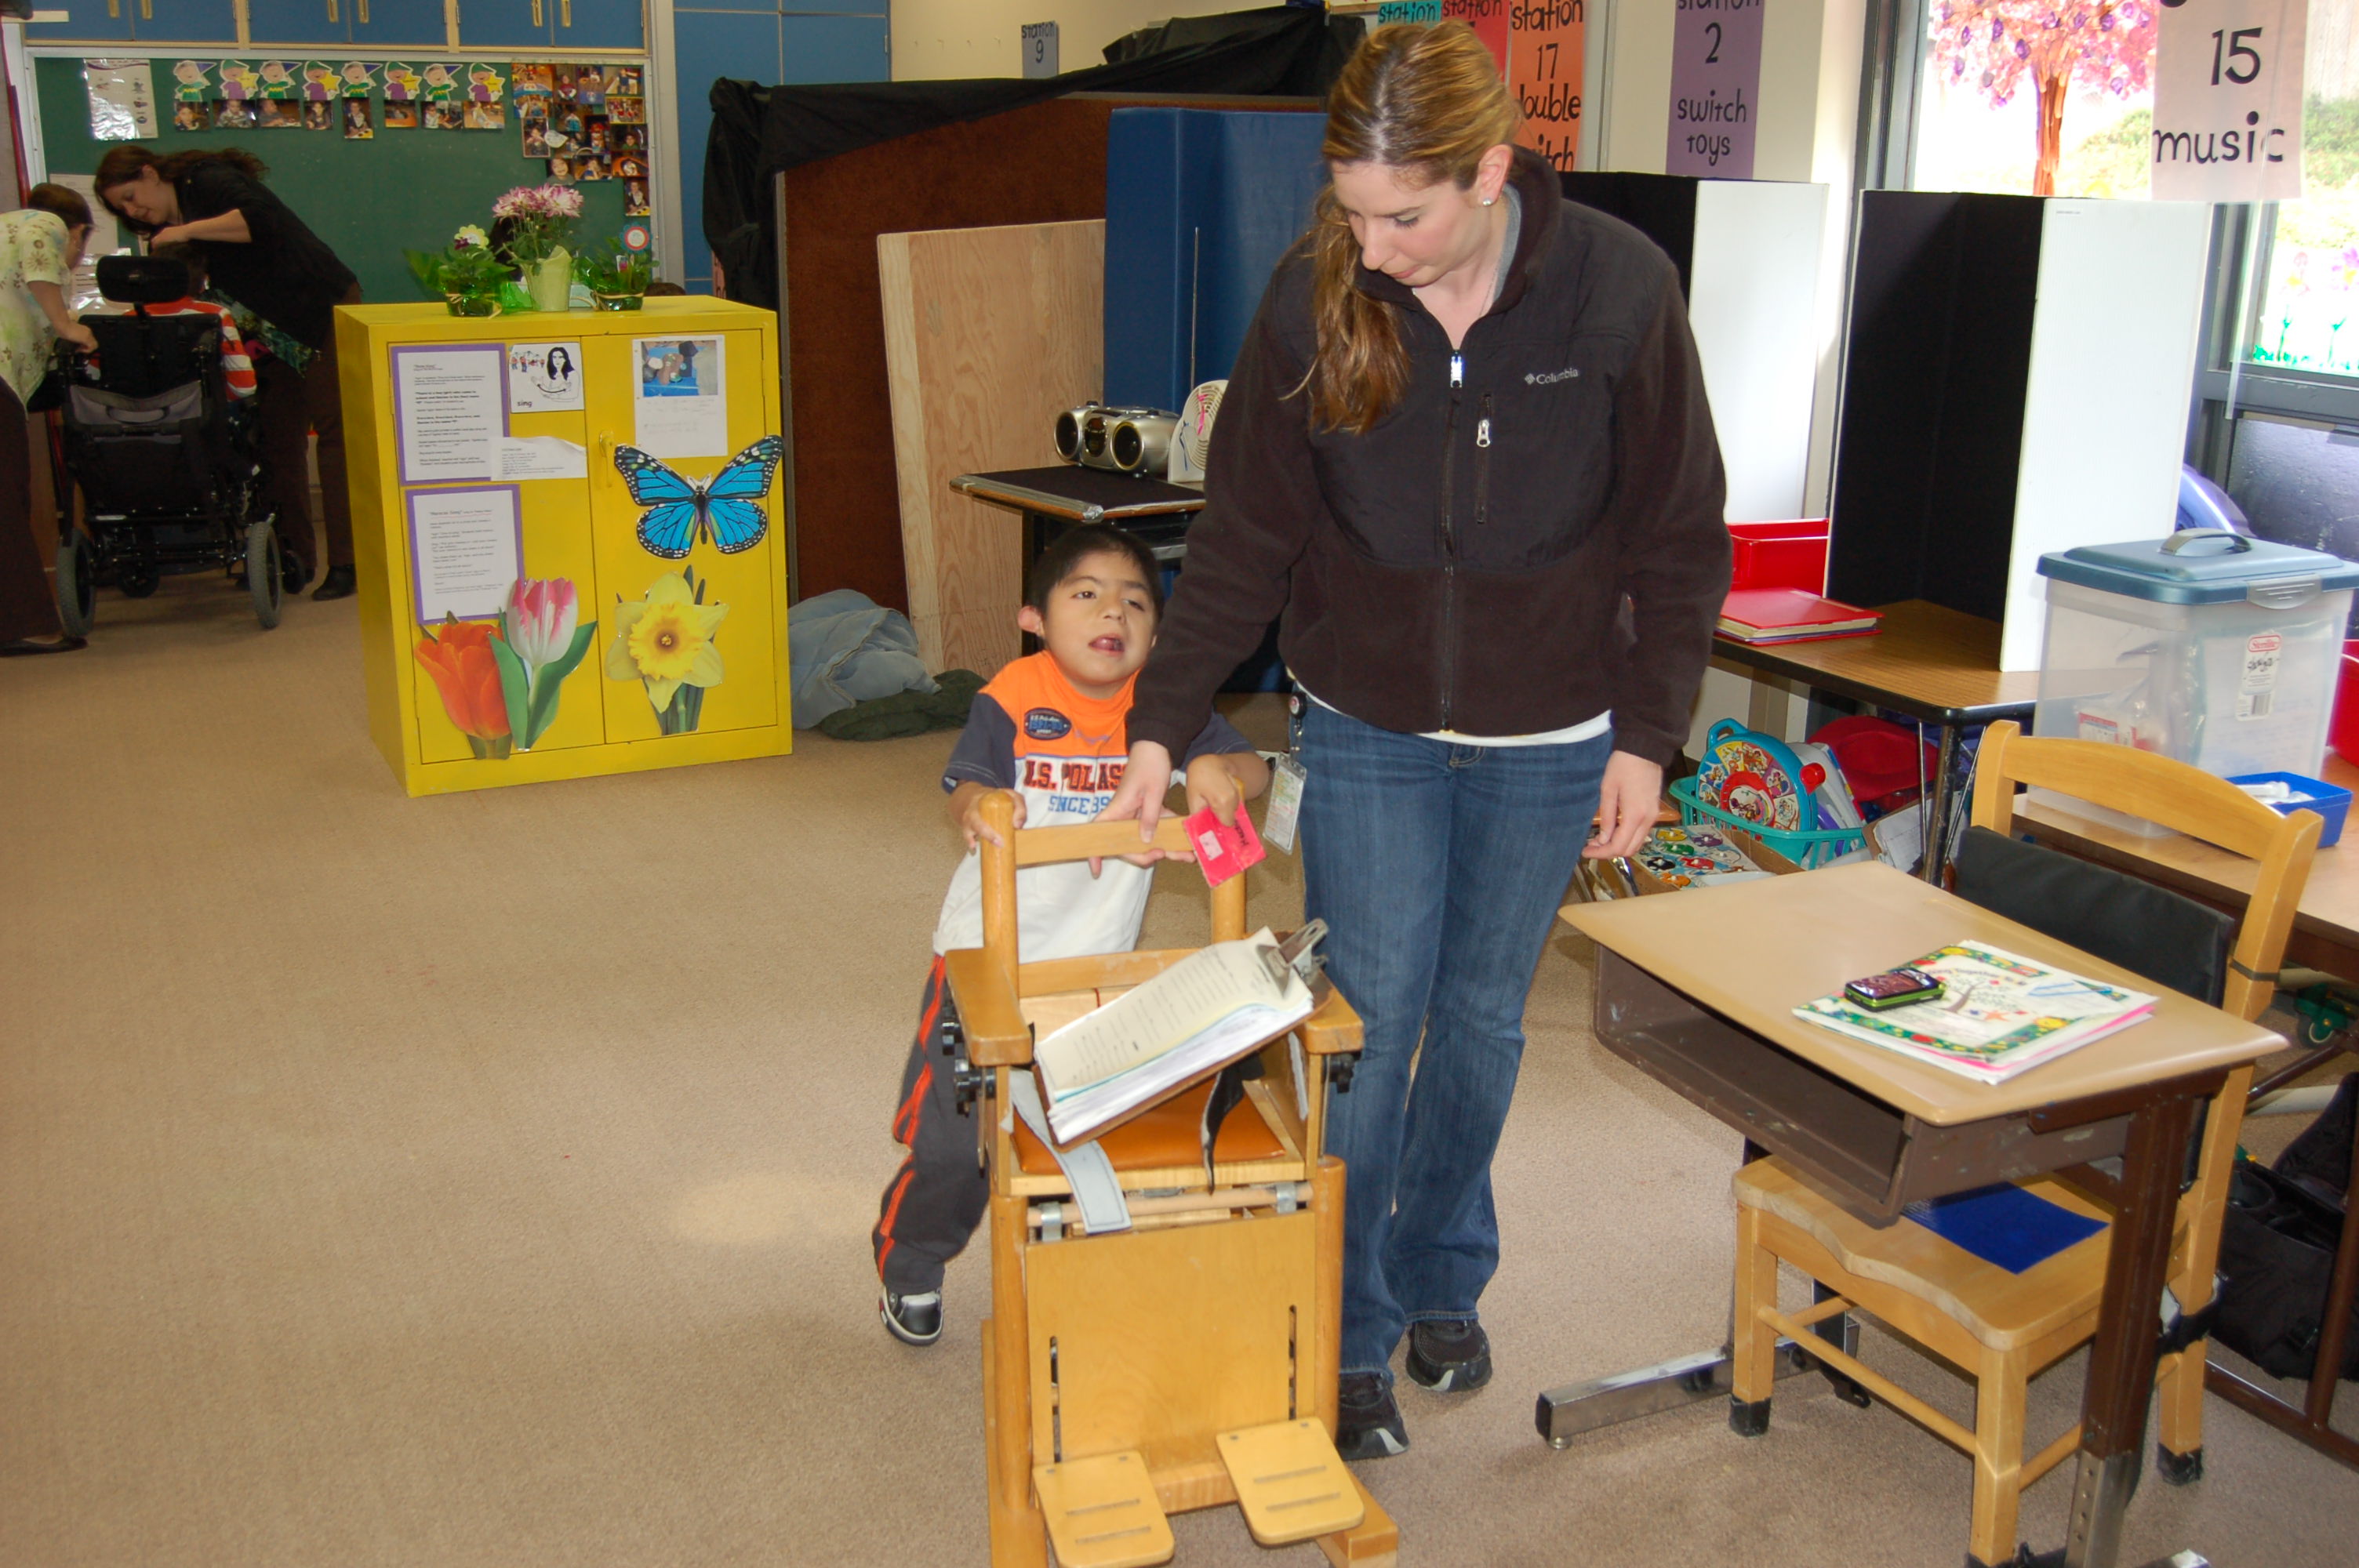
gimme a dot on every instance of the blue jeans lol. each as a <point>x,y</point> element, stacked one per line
<point>1438,870</point>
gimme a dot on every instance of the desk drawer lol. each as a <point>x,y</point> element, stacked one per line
<point>1861,1152</point>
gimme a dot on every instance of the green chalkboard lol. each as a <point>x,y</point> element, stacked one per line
<point>369,201</point>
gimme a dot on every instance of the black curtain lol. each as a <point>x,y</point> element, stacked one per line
<point>759,131</point>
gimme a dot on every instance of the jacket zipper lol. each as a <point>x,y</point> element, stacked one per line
<point>1483,464</point>
<point>1450,539</point>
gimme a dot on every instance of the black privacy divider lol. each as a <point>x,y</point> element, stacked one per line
<point>1660,206</point>
<point>1939,350</point>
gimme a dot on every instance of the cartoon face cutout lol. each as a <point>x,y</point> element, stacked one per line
<point>236,79</point>
<point>401,84</point>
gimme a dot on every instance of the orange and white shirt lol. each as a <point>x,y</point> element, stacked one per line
<point>237,367</point>
<point>1030,732</point>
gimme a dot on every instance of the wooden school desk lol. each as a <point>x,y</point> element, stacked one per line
<point>2325,936</point>
<point>1053,499</point>
<point>1936,665</point>
<point>1697,990</point>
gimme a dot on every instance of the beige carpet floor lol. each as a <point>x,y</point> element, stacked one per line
<point>484,1179</point>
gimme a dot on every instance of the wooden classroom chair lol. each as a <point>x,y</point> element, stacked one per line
<point>1191,1360</point>
<point>2002,1328</point>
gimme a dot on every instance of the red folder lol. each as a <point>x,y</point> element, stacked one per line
<point>1791,615</point>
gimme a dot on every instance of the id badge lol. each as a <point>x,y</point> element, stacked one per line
<point>1285,804</point>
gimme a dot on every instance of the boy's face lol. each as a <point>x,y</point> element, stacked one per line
<point>1099,625</point>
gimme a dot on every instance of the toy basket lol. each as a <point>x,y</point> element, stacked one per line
<point>1807,849</point>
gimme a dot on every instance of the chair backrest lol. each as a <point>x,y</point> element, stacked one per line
<point>2176,796</point>
<point>142,280</point>
<point>1050,845</point>
<point>141,356</point>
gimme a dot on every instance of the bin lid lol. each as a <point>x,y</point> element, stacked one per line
<point>2203,565</point>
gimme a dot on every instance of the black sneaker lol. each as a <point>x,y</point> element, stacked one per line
<point>1367,1419</point>
<point>912,1319</point>
<point>1451,1355</point>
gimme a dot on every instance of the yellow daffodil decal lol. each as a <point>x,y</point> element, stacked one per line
<point>665,642</point>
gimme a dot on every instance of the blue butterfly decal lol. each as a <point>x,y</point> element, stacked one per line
<point>726,508</point>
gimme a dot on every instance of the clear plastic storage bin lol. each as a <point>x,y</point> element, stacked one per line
<point>2207,646</point>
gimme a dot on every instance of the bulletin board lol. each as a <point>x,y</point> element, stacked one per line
<point>401,189</point>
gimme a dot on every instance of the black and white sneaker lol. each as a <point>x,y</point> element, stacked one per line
<point>1451,1355</point>
<point>912,1319</point>
<point>1367,1419</point>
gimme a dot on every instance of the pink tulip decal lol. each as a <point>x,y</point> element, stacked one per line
<point>539,644</point>
<point>541,612</point>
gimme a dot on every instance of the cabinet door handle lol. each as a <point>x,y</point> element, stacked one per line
<point>332,11</point>
<point>147,10</point>
<point>565,13</point>
<point>115,9</point>
<point>363,4</point>
<point>538,19</point>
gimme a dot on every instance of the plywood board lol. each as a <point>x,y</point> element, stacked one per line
<point>988,333</point>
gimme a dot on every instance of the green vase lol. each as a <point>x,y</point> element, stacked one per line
<point>551,280</point>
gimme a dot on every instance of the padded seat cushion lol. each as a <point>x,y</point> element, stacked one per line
<point>1167,1135</point>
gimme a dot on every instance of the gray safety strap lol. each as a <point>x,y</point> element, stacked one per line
<point>1086,1167</point>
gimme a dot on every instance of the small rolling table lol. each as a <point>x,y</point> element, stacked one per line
<point>1937,665</point>
<point>1683,998</point>
<point>1053,499</point>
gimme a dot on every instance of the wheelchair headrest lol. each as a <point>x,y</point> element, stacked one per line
<point>142,280</point>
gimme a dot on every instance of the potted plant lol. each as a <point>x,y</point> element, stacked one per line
<point>616,278</point>
<point>536,228</point>
<point>469,277</point>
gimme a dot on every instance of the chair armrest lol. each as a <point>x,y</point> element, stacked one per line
<point>996,1032</point>
<point>1332,1029</point>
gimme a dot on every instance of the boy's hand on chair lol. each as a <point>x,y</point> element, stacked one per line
<point>1626,802</point>
<point>966,810</point>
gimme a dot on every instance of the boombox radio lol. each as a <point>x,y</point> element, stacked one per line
<point>1127,441</point>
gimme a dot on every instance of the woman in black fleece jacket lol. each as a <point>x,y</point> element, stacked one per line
<point>1466,462</point>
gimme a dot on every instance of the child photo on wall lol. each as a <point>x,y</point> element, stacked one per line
<point>192,117</point>
<point>481,116</point>
<point>634,199</point>
<point>445,116</point>
<point>357,126</point>
<point>533,76</point>
<point>233,115</point>
<point>623,82</point>
<point>315,114</point>
<point>536,138</point>
<point>400,115</point>
<point>281,114</point>
<point>627,111</point>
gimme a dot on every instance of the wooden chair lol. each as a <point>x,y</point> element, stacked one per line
<point>2003,1328</point>
<point>1191,1360</point>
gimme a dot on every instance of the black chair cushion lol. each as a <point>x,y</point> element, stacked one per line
<point>142,280</point>
<point>2150,931</point>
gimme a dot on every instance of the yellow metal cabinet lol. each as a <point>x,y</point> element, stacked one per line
<point>435,534</point>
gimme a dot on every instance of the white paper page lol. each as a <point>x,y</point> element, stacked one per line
<point>1184,1001</point>
<point>1085,1111</point>
<point>448,407</point>
<point>468,550</point>
<point>544,378</point>
<point>680,393</point>
<point>542,456</point>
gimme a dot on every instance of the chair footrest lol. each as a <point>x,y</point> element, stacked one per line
<point>1290,1481</point>
<point>1102,1512</point>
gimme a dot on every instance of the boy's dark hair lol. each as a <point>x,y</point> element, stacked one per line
<point>189,253</point>
<point>1070,548</point>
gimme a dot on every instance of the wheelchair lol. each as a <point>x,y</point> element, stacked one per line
<point>168,465</point>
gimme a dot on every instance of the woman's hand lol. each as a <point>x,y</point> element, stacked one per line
<point>80,336</point>
<point>1146,782</point>
<point>1627,804</point>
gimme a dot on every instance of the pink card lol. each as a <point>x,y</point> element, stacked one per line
<point>1223,849</point>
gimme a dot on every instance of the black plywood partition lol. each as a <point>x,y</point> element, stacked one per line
<point>1937,357</point>
<point>1660,206</point>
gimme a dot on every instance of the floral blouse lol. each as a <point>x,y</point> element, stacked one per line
<point>32,250</point>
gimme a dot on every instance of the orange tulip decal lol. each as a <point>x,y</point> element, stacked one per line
<point>459,655</point>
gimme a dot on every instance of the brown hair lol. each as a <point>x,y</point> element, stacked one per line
<point>121,164</point>
<point>61,202</point>
<point>1427,101</point>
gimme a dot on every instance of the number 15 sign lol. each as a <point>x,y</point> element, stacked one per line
<point>2227,100</point>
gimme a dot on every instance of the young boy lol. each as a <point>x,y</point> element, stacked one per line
<point>1049,726</point>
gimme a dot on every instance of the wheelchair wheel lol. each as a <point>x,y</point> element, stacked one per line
<point>262,569</point>
<point>137,581</point>
<point>77,595</point>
